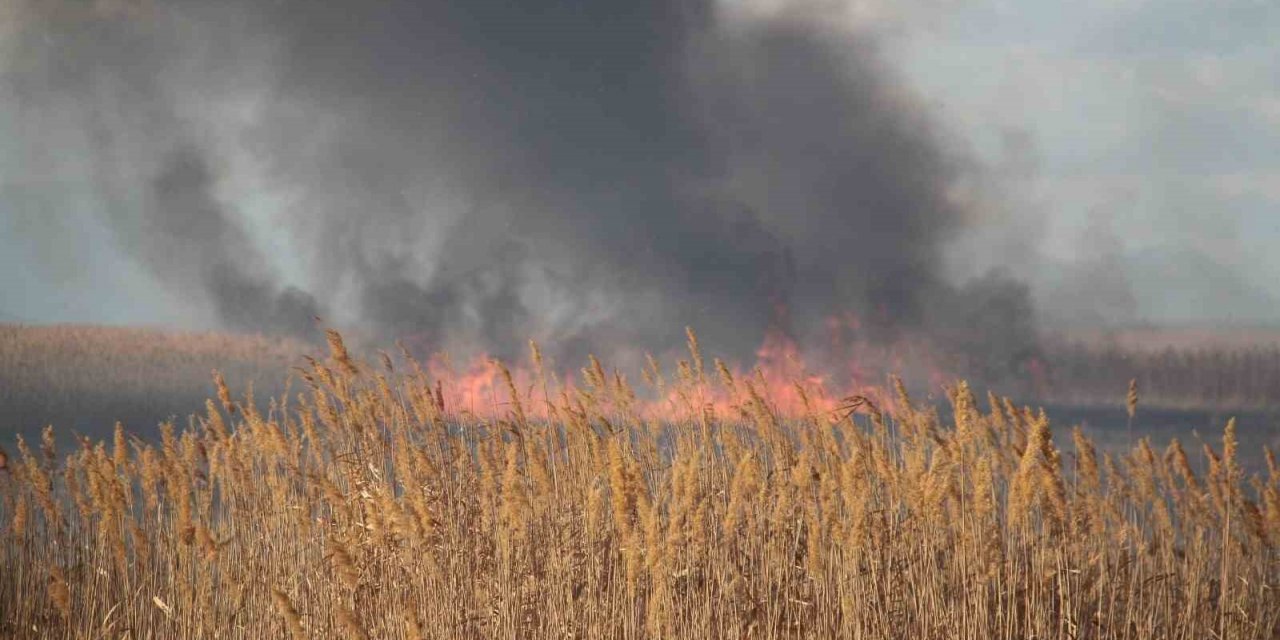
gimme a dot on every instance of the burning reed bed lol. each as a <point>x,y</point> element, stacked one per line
<point>368,507</point>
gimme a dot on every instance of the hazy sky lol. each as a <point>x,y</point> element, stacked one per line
<point>1146,128</point>
<point>1133,148</point>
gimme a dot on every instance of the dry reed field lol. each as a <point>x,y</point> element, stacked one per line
<point>1193,372</point>
<point>370,505</point>
<point>87,377</point>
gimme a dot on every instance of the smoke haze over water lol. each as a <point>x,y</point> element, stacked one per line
<point>478,173</point>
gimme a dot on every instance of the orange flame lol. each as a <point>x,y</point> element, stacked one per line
<point>781,378</point>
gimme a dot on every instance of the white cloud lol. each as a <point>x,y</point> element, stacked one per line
<point>1264,183</point>
<point>1266,107</point>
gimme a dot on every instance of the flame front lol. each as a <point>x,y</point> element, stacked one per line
<point>785,379</point>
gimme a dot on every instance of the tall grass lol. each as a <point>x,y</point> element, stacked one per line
<point>366,507</point>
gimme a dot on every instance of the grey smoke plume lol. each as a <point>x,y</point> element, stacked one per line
<point>186,220</point>
<point>92,82</point>
<point>589,174</point>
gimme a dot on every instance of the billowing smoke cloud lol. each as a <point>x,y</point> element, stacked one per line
<point>587,174</point>
<point>89,81</point>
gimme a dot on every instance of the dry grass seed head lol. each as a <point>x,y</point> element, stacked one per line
<point>59,592</point>
<point>292,621</point>
<point>351,623</point>
<point>343,566</point>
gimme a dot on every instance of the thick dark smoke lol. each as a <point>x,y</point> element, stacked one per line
<point>589,174</point>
